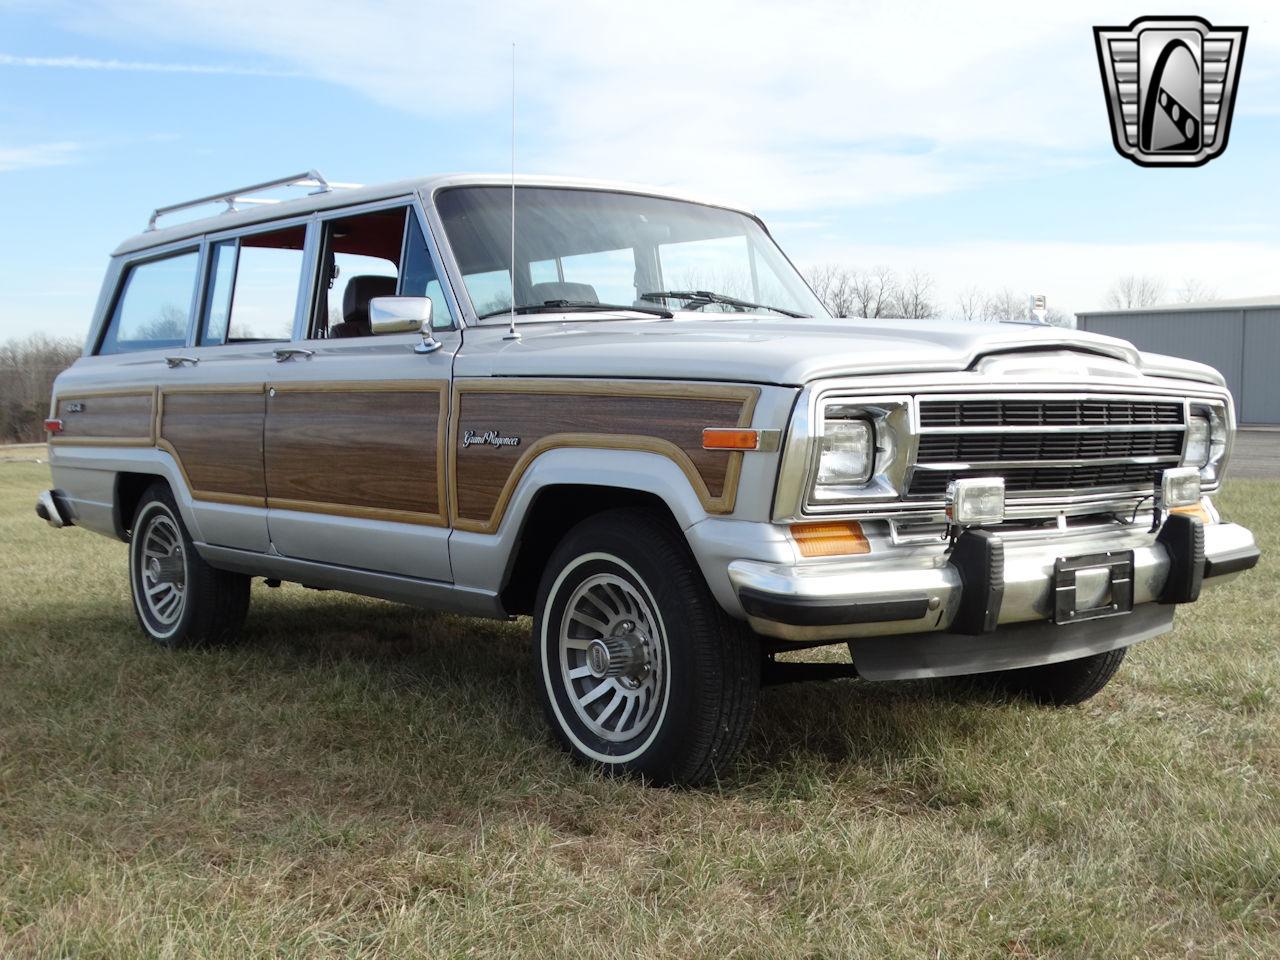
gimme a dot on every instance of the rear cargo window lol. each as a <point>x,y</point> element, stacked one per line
<point>153,308</point>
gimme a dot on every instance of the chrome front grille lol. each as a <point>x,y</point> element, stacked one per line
<point>1047,446</point>
<point>1015,412</point>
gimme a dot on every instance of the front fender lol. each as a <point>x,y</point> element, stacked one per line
<point>481,559</point>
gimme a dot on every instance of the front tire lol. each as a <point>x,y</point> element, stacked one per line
<point>1062,684</point>
<point>639,670</point>
<point>179,600</point>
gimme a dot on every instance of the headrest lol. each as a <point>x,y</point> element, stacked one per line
<point>360,290</point>
<point>577,292</point>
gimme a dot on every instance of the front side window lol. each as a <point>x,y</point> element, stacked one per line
<point>153,307</point>
<point>576,249</point>
<point>253,287</point>
<point>382,253</point>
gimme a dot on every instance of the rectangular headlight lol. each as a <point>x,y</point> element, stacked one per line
<point>847,455</point>
<point>843,450</point>
<point>1207,437</point>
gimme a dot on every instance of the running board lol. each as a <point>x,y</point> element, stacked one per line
<point>428,594</point>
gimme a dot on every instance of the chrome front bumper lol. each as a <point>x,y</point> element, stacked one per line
<point>919,590</point>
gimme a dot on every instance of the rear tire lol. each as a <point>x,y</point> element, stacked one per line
<point>179,600</point>
<point>1062,684</point>
<point>639,669</point>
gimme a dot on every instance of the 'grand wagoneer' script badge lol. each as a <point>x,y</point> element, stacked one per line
<point>489,438</point>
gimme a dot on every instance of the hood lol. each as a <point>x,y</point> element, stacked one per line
<point>774,350</point>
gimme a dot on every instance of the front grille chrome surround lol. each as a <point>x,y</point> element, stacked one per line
<point>1046,445</point>
<point>1070,466</point>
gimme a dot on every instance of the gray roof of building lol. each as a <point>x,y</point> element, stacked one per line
<point>1239,303</point>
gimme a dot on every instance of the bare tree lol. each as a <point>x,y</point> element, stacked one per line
<point>874,291</point>
<point>834,287</point>
<point>1004,306</point>
<point>970,303</point>
<point>1132,292</point>
<point>1059,318</point>
<point>913,298</point>
<point>27,370</point>
<point>1193,291</point>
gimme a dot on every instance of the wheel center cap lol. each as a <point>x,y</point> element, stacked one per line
<point>623,654</point>
<point>598,659</point>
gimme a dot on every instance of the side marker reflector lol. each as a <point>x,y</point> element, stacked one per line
<point>53,426</point>
<point>719,438</point>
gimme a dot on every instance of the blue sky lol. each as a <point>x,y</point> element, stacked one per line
<point>971,143</point>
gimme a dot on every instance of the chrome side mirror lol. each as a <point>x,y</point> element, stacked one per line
<point>404,315</point>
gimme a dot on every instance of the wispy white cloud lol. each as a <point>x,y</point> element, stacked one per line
<point>799,106</point>
<point>38,155</point>
<point>141,66</point>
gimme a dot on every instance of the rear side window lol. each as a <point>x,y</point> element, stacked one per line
<point>253,287</point>
<point>153,308</point>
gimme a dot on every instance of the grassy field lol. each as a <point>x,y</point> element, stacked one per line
<point>359,779</point>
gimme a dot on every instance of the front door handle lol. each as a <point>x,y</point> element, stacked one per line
<point>175,362</point>
<point>288,353</point>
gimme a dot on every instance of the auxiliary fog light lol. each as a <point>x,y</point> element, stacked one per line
<point>1179,487</point>
<point>975,501</point>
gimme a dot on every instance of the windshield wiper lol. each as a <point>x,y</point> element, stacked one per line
<point>706,296</point>
<point>575,306</point>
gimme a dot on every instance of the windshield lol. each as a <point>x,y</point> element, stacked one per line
<point>578,249</point>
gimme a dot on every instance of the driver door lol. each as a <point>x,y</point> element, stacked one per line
<point>356,424</point>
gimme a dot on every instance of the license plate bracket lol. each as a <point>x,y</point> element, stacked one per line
<point>1117,566</point>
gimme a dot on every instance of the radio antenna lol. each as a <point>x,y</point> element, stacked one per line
<point>512,334</point>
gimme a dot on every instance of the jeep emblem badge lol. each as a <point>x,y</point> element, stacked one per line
<point>1170,84</point>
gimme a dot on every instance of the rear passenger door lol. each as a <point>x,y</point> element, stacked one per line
<point>356,424</point>
<point>212,397</point>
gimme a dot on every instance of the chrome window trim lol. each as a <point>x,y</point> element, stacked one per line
<point>797,465</point>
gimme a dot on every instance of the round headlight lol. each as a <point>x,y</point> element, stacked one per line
<point>847,454</point>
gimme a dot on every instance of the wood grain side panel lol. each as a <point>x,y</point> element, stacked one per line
<point>216,437</point>
<point>116,417</point>
<point>671,425</point>
<point>351,451</point>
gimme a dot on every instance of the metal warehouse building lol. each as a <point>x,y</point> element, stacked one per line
<point>1239,337</point>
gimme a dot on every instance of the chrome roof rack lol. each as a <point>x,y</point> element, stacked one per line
<point>311,178</point>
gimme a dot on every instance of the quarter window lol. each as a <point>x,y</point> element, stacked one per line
<point>153,308</point>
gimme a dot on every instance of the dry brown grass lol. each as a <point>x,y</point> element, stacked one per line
<point>359,779</point>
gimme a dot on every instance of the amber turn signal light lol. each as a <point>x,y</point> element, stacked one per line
<point>830,538</point>
<point>720,438</point>
<point>1196,510</point>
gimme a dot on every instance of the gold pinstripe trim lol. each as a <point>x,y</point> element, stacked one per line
<point>746,396</point>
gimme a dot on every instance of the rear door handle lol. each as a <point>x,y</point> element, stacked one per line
<point>175,362</point>
<point>288,353</point>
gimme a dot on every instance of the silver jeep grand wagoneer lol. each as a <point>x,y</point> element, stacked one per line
<point>666,451</point>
